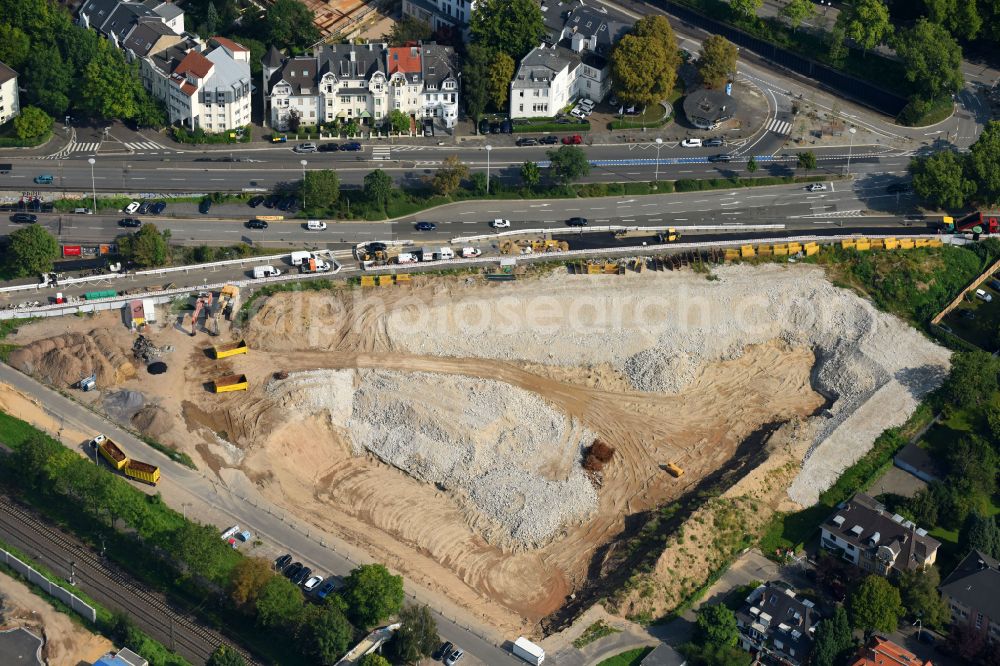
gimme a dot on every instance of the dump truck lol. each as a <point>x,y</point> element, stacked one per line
<point>230,349</point>
<point>973,223</point>
<point>531,653</point>
<point>314,265</point>
<point>110,451</point>
<point>230,383</point>
<point>141,471</point>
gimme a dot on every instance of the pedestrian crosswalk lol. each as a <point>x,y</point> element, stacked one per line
<point>380,152</point>
<point>91,147</point>
<point>779,126</point>
<point>144,145</point>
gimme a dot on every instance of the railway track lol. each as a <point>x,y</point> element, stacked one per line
<point>110,586</point>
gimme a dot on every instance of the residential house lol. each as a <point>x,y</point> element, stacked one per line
<point>777,625</point>
<point>362,82</point>
<point>441,14</point>
<point>116,19</point>
<point>883,652</point>
<point>9,104</point>
<point>862,532</point>
<point>571,63</point>
<point>123,657</point>
<point>972,592</point>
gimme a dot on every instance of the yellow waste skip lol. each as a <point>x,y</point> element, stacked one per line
<point>674,470</point>
<point>811,249</point>
<point>230,383</point>
<point>367,280</point>
<point>934,242</point>
<point>403,278</point>
<point>746,251</point>
<point>923,242</point>
<point>781,250</point>
<point>142,471</point>
<point>610,269</point>
<point>385,280</point>
<point>732,254</point>
<point>863,244</point>
<point>891,243</point>
<point>764,250</point>
<point>848,243</point>
<point>906,244</point>
<point>230,349</point>
<point>878,244</point>
<point>794,248</point>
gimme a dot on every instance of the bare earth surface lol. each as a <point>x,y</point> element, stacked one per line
<point>441,426</point>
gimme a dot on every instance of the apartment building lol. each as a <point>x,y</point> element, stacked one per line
<point>115,19</point>
<point>972,592</point>
<point>9,104</point>
<point>441,14</point>
<point>863,533</point>
<point>883,652</point>
<point>776,625</point>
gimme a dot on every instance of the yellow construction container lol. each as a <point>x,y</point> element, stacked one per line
<point>794,248</point>
<point>811,249</point>
<point>594,269</point>
<point>848,243</point>
<point>230,349</point>
<point>934,242</point>
<point>781,250</point>
<point>230,383</point>
<point>732,254</point>
<point>906,244</point>
<point>403,278</point>
<point>110,452</point>
<point>922,242</point>
<point>385,280</point>
<point>877,244</point>
<point>891,243</point>
<point>367,280</point>
<point>764,250</point>
<point>746,251</point>
<point>863,244</point>
<point>610,269</point>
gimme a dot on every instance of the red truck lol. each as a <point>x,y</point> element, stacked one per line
<point>973,223</point>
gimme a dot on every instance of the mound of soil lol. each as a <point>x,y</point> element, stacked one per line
<point>65,359</point>
<point>122,405</point>
<point>152,420</point>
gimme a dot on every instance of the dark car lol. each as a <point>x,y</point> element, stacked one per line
<point>428,127</point>
<point>23,218</point>
<point>292,569</point>
<point>282,562</point>
<point>576,222</point>
<point>256,201</point>
<point>966,314</point>
<point>301,575</point>
<point>713,143</point>
<point>130,222</point>
<point>994,284</point>
<point>271,201</point>
<point>443,650</point>
<point>527,141</point>
<point>158,208</point>
<point>506,127</point>
<point>326,588</point>
<point>285,203</point>
<point>898,188</point>
<point>144,208</point>
<point>484,126</point>
<point>329,148</point>
<point>572,140</point>
<point>257,224</point>
<point>205,206</point>
<point>376,246</point>
<point>425,226</point>
<point>549,140</point>
<point>352,146</point>
<point>720,158</point>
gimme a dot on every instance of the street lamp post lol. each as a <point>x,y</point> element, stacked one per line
<point>656,178</point>
<point>93,185</point>
<point>303,163</point>
<point>850,150</point>
<point>488,149</point>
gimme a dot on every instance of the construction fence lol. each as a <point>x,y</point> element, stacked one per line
<point>62,594</point>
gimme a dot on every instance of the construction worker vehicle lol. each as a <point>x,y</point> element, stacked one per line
<point>134,469</point>
<point>673,470</point>
<point>668,236</point>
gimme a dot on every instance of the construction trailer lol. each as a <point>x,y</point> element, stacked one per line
<point>110,452</point>
<point>141,471</point>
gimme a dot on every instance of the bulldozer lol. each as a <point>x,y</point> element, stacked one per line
<point>668,236</point>
<point>224,305</point>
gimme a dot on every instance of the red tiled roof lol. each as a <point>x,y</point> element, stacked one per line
<point>196,64</point>
<point>404,59</point>
<point>884,652</point>
<point>229,44</point>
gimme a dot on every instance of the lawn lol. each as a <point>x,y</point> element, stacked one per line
<point>630,658</point>
<point>980,326</point>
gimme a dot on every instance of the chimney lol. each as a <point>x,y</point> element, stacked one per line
<point>354,56</point>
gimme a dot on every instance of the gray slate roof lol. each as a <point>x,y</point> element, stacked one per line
<point>975,583</point>
<point>663,655</point>
<point>6,73</point>
<point>781,616</point>
<point>272,58</point>
<point>541,65</point>
<point>299,73</point>
<point>437,63</point>
<point>141,40</point>
<point>367,60</point>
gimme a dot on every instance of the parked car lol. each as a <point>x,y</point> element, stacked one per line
<point>994,284</point>
<point>271,201</point>
<point>205,206</point>
<point>983,296</point>
<point>82,211</point>
<point>326,588</point>
<point>351,146</point>
<point>586,104</point>
<point>454,657</point>
<point>443,650</point>
<point>578,113</point>
<point>292,569</point>
<point>816,187</point>
<point>158,208</point>
<point>305,148</point>
<point>144,208</point>
<point>257,224</point>
<point>572,140</point>
<point>494,127</point>
<point>549,140</point>
<point>428,127</point>
<point>329,148</point>
<point>311,583</point>
<point>302,575</point>
<point>966,314</point>
<point>691,143</point>
<point>132,207</point>
<point>576,222</point>
<point>484,126</point>
<point>256,201</point>
<point>527,141</point>
<point>425,226</point>
<point>376,246</point>
<point>23,218</point>
<point>130,222</point>
<point>282,562</point>
<point>500,223</point>
<point>284,203</point>
<point>713,143</point>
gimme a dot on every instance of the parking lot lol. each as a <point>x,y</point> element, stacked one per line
<point>977,321</point>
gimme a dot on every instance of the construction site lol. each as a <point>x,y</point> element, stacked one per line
<point>496,442</point>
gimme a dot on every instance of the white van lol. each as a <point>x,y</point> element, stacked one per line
<point>265,272</point>
<point>446,253</point>
<point>315,225</point>
<point>587,104</point>
<point>406,258</point>
<point>300,256</point>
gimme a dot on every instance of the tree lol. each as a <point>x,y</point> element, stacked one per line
<point>745,9</point>
<point>807,160</point>
<point>837,40</point>
<point>247,579</point>
<point>985,162</point>
<point>716,625</point>
<point>640,70</point>
<point>657,28</point>
<point>940,180</point>
<point>531,175</point>
<point>200,552</point>
<point>868,23</point>
<point>294,121</point>
<point>407,30</point>
<point>378,187</point>
<point>715,655</point>
<point>833,639</point>
<point>972,379</point>
<point>751,164</point>
<point>374,659</point>
<point>110,85</point>
<point>225,656</point>
<point>15,46</point>
<point>478,183</point>
<point>923,507</point>
<point>475,77</point>
<point>966,642</point>
<point>797,11</point>
<point>512,26</point>
<point>32,458</point>
<point>32,251</point>
<point>875,606</point>
<point>399,122</point>
<point>211,20</point>
<point>932,58</point>
<point>717,61</point>
<point>372,594</point>
<point>919,593</point>
<point>325,633</point>
<point>972,463</point>
<point>150,112</point>
<point>501,72</point>
<point>321,189</point>
<point>416,638</point>
<point>287,23</point>
<point>279,604</point>
<point>961,18</point>
<point>568,163</point>
<point>449,175</point>
<point>146,247</point>
<point>49,80</point>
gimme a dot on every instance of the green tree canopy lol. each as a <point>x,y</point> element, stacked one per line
<point>807,160</point>
<point>960,17</point>
<point>868,24</point>
<point>279,604</point>
<point>501,72</point>
<point>32,251</point>
<point>972,379</point>
<point>416,638</point>
<point>745,9</point>
<point>449,175</point>
<point>797,11</point>
<point>32,458</point>
<point>326,634</point>
<point>833,639</point>
<point>715,655</point>
<point>475,79</point>
<point>373,659</point>
<point>717,61</point>
<point>287,24</point>
<point>378,187</point>
<point>225,656</point>
<point>372,594</point>
<point>875,606</point>
<point>640,70</point>
<point>399,121</point>
<point>512,26</point>
<point>321,189</point>
<point>146,247</point>
<point>933,59</point>
<point>407,30</point>
<point>110,85</point>
<point>531,175</point>
<point>15,46</point>
<point>568,163</point>
<point>201,550</point>
<point>751,164</point>
<point>247,579</point>
<point>985,161</point>
<point>657,28</point>
<point>716,625</point>
<point>49,80</point>
<point>920,596</point>
<point>940,180</point>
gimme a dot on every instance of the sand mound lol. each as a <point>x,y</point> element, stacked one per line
<point>65,359</point>
<point>152,420</point>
